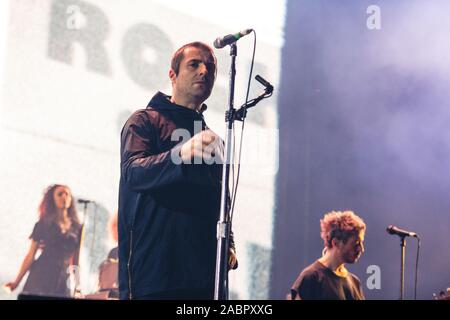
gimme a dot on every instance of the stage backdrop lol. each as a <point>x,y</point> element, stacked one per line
<point>364,123</point>
<point>75,70</point>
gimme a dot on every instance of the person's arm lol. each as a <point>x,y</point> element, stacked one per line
<point>141,167</point>
<point>26,264</point>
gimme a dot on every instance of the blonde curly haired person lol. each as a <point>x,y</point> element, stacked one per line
<point>327,278</point>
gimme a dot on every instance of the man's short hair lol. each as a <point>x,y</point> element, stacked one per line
<point>340,225</point>
<point>179,54</point>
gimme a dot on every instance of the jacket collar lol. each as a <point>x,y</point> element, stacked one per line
<point>161,101</point>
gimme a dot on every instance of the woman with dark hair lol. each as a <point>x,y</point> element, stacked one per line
<point>57,235</point>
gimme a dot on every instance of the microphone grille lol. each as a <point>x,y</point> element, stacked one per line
<point>218,43</point>
<point>389,229</point>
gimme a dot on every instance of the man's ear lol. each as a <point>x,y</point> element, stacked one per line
<point>172,76</point>
<point>335,242</point>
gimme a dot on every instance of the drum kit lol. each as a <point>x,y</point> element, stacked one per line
<point>108,286</point>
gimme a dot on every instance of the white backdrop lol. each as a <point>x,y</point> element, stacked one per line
<point>73,71</point>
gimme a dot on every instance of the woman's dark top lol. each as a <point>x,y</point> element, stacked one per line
<point>49,273</point>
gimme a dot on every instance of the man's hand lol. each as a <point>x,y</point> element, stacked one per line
<point>232,259</point>
<point>204,145</point>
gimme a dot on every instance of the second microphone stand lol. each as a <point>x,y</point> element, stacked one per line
<point>402,267</point>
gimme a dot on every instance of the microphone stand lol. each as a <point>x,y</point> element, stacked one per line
<point>402,267</point>
<point>224,223</point>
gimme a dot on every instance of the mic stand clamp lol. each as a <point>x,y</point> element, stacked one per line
<point>242,112</point>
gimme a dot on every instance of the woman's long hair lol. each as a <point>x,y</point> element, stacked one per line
<point>47,208</point>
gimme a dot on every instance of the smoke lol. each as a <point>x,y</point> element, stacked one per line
<point>365,114</point>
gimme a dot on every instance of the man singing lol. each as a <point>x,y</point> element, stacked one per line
<point>169,202</point>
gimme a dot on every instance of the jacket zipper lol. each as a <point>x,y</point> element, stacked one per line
<point>129,265</point>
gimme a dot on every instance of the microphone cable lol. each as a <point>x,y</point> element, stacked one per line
<point>235,187</point>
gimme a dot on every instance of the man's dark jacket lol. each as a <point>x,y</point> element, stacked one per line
<point>168,212</point>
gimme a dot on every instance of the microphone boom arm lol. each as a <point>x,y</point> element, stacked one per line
<point>241,113</point>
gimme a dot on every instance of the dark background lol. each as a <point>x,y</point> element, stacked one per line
<point>365,125</point>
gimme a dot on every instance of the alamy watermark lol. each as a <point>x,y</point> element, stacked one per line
<point>260,149</point>
<point>373,21</point>
<point>75,18</point>
<point>374,280</point>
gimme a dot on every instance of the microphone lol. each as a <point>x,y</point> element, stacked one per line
<point>265,83</point>
<point>401,233</point>
<point>85,201</point>
<point>221,42</point>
